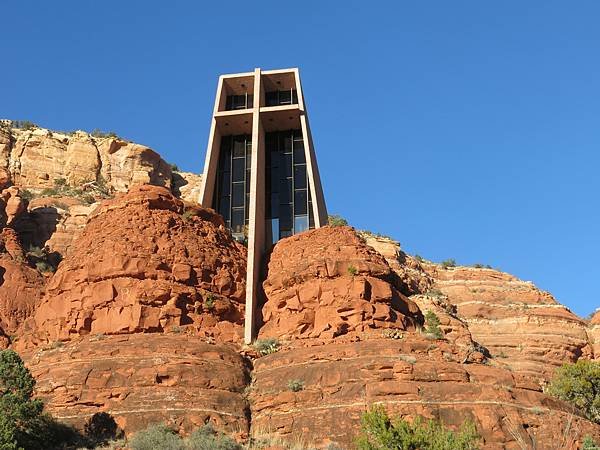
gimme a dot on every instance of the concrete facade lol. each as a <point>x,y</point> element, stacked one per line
<point>251,116</point>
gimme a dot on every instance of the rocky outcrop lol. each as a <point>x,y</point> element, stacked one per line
<point>20,286</point>
<point>409,376</point>
<point>186,185</point>
<point>412,278</point>
<point>36,158</point>
<point>144,379</point>
<point>524,327</point>
<point>594,334</point>
<point>141,266</point>
<point>53,222</point>
<point>326,282</point>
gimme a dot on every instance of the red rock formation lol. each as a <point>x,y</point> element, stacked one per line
<point>412,376</point>
<point>140,266</point>
<point>53,222</point>
<point>143,379</point>
<point>325,283</point>
<point>20,285</point>
<point>524,327</point>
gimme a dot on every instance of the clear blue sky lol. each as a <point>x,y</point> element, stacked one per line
<point>464,129</point>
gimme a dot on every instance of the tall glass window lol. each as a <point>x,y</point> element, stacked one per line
<point>243,101</point>
<point>284,97</point>
<point>233,183</point>
<point>289,205</point>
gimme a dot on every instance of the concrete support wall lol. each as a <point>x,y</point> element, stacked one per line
<point>256,225</point>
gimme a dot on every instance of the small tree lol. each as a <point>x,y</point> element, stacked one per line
<point>579,384</point>
<point>448,263</point>
<point>337,221</point>
<point>18,411</point>
<point>432,322</point>
<point>380,432</point>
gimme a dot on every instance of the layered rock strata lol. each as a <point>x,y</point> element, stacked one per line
<point>144,379</point>
<point>522,326</point>
<point>409,377</point>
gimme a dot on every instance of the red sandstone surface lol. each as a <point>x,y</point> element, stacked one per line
<point>141,266</point>
<point>328,282</point>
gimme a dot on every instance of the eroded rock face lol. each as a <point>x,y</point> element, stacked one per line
<point>326,282</point>
<point>20,286</point>
<point>35,159</point>
<point>53,222</point>
<point>139,266</point>
<point>143,379</point>
<point>412,278</point>
<point>524,327</point>
<point>409,377</point>
<point>186,185</point>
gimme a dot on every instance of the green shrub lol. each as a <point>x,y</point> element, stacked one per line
<point>579,384</point>
<point>188,214</point>
<point>434,292</point>
<point>337,221</point>
<point>380,432</point>
<point>448,263</point>
<point>419,258</point>
<point>295,385</point>
<point>18,411</point>
<point>589,444</point>
<point>209,302</point>
<point>266,346</point>
<point>174,167</point>
<point>24,124</point>
<point>432,325</point>
<point>44,267</point>
<point>96,132</point>
<point>207,438</point>
<point>155,437</point>
<point>352,270</point>
<point>26,194</point>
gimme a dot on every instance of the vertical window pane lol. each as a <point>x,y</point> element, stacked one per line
<point>225,184</point>
<point>285,97</point>
<point>300,176</point>
<point>285,218</point>
<point>239,147</point>
<point>239,169</point>
<point>286,165</point>
<point>300,224</point>
<point>285,190</point>
<point>271,98</point>
<point>275,229</point>
<point>300,202</point>
<point>238,195</point>
<point>237,220</point>
<point>294,96</point>
<point>274,205</point>
<point>299,157</point>
<point>224,207</point>
<point>287,143</point>
<point>251,101</point>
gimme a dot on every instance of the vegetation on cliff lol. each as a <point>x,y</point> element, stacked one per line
<point>380,432</point>
<point>579,384</point>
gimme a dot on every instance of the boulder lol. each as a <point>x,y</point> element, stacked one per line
<point>140,266</point>
<point>325,283</point>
